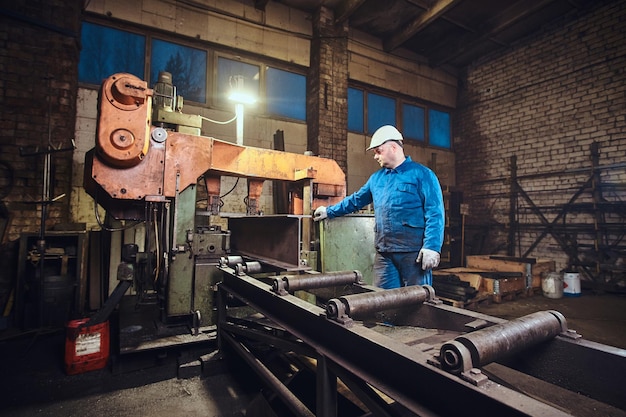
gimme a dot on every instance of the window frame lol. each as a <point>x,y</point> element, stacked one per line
<point>213,52</point>
<point>122,28</point>
<point>148,68</point>
<point>225,104</point>
<point>401,101</point>
<point>267,97</point>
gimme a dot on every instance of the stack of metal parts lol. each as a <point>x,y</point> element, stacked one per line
<point>452,287</point>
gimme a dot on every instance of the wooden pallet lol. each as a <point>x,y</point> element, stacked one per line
<point>536,267</point>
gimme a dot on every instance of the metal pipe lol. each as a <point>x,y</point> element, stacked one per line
<point>358,305</point>
<point>291,283</point>
<point>496,342</point>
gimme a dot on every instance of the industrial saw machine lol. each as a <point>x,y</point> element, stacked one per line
<point>323,343</point>
<point>145,170</point>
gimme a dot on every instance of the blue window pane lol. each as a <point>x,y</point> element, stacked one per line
<point>380,111</point>
<point>439,128</point>
<point>228,70</point>
<point>102,55</point>
<point>355,110</point>
<point>413,122</point>
<point>187,66</point>
<point>286,94</point>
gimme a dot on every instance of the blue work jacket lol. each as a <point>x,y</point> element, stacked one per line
<point>408,207</point>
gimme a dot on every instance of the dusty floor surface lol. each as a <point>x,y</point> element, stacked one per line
<point>33,382</point>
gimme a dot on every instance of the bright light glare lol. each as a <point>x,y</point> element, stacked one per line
<point>240,97</point>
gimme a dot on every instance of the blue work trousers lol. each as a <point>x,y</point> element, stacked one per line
<point>399,269</point>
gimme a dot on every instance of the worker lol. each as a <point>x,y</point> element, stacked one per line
<point>408,212</point>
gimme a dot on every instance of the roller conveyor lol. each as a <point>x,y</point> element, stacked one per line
<point>433,368</point>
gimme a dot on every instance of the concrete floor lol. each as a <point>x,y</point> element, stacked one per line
<point>33,382</point>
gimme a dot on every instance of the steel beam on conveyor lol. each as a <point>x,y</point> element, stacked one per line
<point>400,371</point>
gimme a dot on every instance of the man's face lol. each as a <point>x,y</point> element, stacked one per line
<point>383,153</point>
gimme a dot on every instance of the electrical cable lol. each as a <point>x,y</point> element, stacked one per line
<point>217,121</point>
<point>231,190</point>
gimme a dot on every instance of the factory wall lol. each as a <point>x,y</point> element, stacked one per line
<point>545,101</point>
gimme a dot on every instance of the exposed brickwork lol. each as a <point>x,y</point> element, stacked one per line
<point>545,101</point>
<point>327,89</point>
<point>39,49</point>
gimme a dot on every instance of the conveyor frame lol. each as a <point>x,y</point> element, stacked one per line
<point>407,374</point>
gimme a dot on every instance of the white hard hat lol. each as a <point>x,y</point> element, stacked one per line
<point>383,134</point>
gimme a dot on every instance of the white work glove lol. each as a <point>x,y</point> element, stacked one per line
<point>320,214</point>
<point>428,258</point>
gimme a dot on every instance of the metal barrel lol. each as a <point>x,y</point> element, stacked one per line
<point>501,340</point>
<point>311,281</point>
<point>359,305</point>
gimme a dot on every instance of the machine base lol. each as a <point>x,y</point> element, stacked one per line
<point>141,329</point>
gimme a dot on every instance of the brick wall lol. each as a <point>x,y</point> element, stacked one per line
<point>544,101</point>
<point>327,89</point>
<point>39,48</point>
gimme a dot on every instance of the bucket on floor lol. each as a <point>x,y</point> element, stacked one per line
<point>86,348</point>
<point>571,284</point>
<point>552,285</point>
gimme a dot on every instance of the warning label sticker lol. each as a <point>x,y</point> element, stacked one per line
<point>86,344</point>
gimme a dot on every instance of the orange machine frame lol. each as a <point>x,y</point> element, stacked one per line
<point>134,160</point>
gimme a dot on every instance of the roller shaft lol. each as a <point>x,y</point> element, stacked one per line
<point>306,282</point>
<point>496,342</point>
<point>359,305</point>
<point>231,260</point>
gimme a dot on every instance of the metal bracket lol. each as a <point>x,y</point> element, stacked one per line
<point>475,376</point>
<point>336,310</point>
<point>279,286</point>
<point>565,332</point>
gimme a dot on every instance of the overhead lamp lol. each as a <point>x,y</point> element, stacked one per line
<point>238,93</point>
<point>240,96</point>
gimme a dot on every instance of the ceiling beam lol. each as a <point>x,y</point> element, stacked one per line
<point>345,9</point>
<point>514,14</point>
<point>423,20</point>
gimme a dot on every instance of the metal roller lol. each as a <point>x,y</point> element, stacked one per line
<point>252,267</point>
<point>231,260</point>
<point>478,348</point>
<point>359,305</point>
<point>291,283</point>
